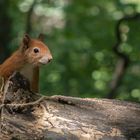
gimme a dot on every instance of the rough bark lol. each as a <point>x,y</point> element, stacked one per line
<point>29,116</point>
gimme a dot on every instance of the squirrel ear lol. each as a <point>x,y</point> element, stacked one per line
<point>26,39</point>
<point>41,37</point>
<point>25,42</point>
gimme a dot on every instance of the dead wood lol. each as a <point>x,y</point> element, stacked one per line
<point>28,116</point>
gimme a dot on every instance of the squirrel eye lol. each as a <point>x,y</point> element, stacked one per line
<point>36,50</point>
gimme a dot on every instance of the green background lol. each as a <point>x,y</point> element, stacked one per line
<point>81,35</point>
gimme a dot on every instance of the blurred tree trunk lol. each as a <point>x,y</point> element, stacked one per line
<point>123,61</point>
<point>29,18</point>
<point>5,29</point>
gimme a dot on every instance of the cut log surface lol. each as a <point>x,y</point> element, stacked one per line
<point>29,116</point>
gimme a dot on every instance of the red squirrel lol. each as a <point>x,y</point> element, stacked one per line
<point>27,60</point>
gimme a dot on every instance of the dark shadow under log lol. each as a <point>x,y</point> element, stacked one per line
<point>28,116</point>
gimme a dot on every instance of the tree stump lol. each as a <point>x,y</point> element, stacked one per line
<point>28,116</point>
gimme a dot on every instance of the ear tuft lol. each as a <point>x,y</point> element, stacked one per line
<point>26,39</point>
<point>25,42</point>
<point>41,37</point>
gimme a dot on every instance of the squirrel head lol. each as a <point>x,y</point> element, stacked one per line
<point>35,51</point>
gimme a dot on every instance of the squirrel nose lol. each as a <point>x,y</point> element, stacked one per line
<point>50,59</point>
<point>45,59</point>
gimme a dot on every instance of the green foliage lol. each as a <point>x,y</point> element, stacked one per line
<point>81,35</point>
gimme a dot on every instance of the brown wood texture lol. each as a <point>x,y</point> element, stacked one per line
<point>28,116</point>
